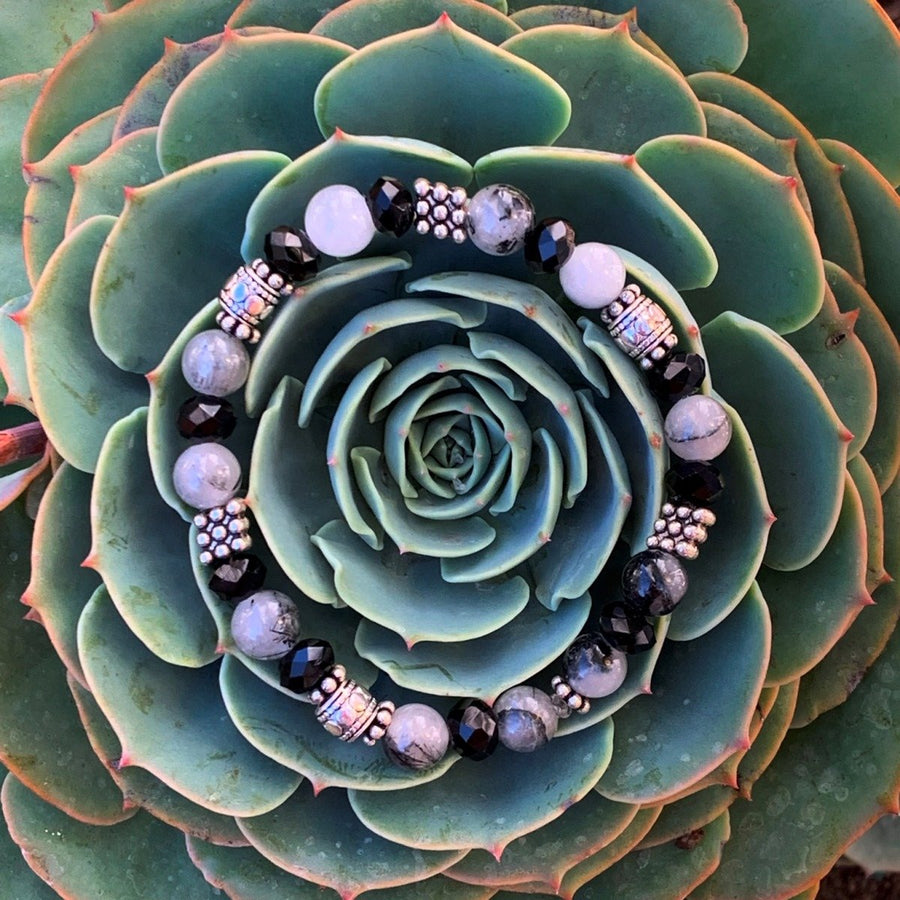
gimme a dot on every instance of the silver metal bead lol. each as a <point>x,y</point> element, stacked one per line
<point>659,526</point>
<point>440,231</point>
<point>683,512</point>
<point>696,533</point>
<point>223,530</point>
<point>440,213</point>
<point>674,528</point>
<point>667,544</point>
<point>668,509</point>
<point>704,516</point>
<point>440,210</point>
<point>687,550</point>
<point>653,542</point>
<point>459,235</point>
<point>639,327</point>
<point>348,710</point>
<point>248,297</point>
<point>681,529</point>
<point>422,187</point>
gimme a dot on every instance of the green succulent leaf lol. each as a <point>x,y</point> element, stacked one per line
<point>17,391</point>
<point>681,817</point>
<point>873,514</point>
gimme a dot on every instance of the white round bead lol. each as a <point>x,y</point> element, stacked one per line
<point>697,428</point>
<point>206,475</point>
<point>499,218</point>
<point>417,736</point>
<point>265,625</point>
<point>593,275</point>
<point>338,221</point>
<point>215,363</point>
<point>526,718</point>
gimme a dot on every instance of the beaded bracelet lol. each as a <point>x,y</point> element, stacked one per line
<point>340,221</point>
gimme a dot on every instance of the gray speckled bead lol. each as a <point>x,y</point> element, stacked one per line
<point>527,718</point>
<point>593,668</point>
<point>499,217</point>
<point>265,625</point>
<point>697,428</point>
<point>215,363</point>
<point>417,737</point>
<point>206,475</point>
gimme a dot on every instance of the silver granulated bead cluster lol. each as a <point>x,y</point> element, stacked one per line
<point>223,530</point>
<point>248,297</point>
<point>639,326</point>
<point>681,529</point>
<point>348,711</point>
<point>440,210</point>
<point>573,700</point>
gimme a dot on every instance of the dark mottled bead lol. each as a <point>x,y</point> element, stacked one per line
<point>291,253</point>
<point>593,667</point>
<point>549,244</point>
<point>206,417</point>
<point>241,575</point>
<point>654,581</point>
<point>305,664</point>
<point>625,628</point>
<point>699,483</point>
<point>392,207</point>
<point>474,730</point>
<point>678,375</point>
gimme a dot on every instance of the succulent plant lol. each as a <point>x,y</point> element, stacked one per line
<point>449,533</point>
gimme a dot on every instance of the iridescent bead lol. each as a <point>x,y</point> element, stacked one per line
<point>654,582</point>
<point>417,737</point>
<point>305,665</point>
<point>593,276</point>
<point>391,206</point>
<point>499,217</point>
<point>290,252</point>
<point>677,376</point>
<point>549,244</point>
<point>265,625</point>
<point>474,729</point>
<point>206,475</point>
<point>527,718</point>
<point>215,363</point>
<point>592,667</point>
<point>697,428</point>
<point>338,220</point>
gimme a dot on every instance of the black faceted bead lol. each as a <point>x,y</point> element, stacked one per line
<point>677,376</point>
<point>654,581</point>
<point>625,628</point>
<point>303,667</point>
<point>473,729</point>
<point>549,244</point>
<point>700,483</point>
<point>392,207</point>
<point>241,575</point>
<point>206,417</point>
<point>291,253</point>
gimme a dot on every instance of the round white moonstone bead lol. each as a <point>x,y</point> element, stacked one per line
<point>593,275</point>
<point>697,428</point>
<point>417,737</point>
<point>215,363</point>
<point>265,625</point>
<point>338,221</point>
<point>206,475</point>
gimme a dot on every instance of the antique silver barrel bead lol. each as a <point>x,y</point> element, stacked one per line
<point>639,326</point>
<point>248,297</point>
<point>347,710</point>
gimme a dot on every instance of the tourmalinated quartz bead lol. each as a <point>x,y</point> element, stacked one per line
<point>499,218</point>
<point>417,737</point>
<point>215,363</point>
<point>248,297</point>
<point>526,718</point>
<point>549,244</point>
<point>474,730</point>
<point>440,210</point>
<point>592,667</point>
<point>239,576</point>
<point>391,206</point>
<point>639,326</point>
<point>290,252</point>
<point>205,416</point>
<point>223,531</point>
<point>681,529</point>
<point>625,628</point>
<point>593,275</point>
<point>654,581</point>
<point>265,625</point>
<point>678,375</point>
<point>304,666</point>
<point>697,428</point>
<point>697,483</point>
<point>566,698</point>
<point>338,220</point>
<point>347,710</point>
<point>206,475</point>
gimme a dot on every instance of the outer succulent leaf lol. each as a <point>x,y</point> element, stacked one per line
<point>505,796</point>
<point>882,449</point>
<point>146,289</point>
<point>663,742</point>
<point>802,465</point>
<point>360,22</point>
<point>438,887</point>
<point>828,98</point>
<point>171,720</point>
<point>14,371</point>
<point>241,86</point>
<point>820,177</point>
<point>14,483</point>
<point>873,513</point>
<point>524,106</point>
<point>622,95</point>
<point>78,392</point>
<point>689,814</point>
<point>878,850</point>
<point>330,855</point>
<point>299,16</point>
<point>74,857</point>
<point>128,162</point>
<point>139,549</point>
<point>769,263</point>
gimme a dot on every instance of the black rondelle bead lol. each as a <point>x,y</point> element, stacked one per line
<point>241,575</point>
<point>474,730</point>
<point>677,376</point>
<point>305,665</point>
<point>700,483</point>
<point>291,253</point>
<point>391,205</point>
<point>548,245</point>
<point>206,417</point>
<point>626,628</point>
<point>654,581</point>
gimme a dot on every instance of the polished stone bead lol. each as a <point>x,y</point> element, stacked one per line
<point>305,665</point>
<point>549,244</point>
<point>593,276</point>
<point>265,625</point>
<point>291,253</point>
<point>215,363</point>
<point>699,483</point>
<point>526,717</point>
<point>499,217</point>
<point>206,475</point>
<point>678,375</point>
<point>592,667</point>
<point>338,220</point>
<point>205,416</point>
<point>697,428</point>
<point>625,628</point>
<point>391,205</point>
<point>417,737</point>
<point>654,581</point>
<point>473,729</point>
<point>241,575</point>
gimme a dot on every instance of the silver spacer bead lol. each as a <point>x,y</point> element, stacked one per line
<point>571,697</point>
<point>639,326</point>
<point>223,531</point>
<point>681,529</point>
<point>384,713</point>
<point>440,210</point>
<point>248,297</point>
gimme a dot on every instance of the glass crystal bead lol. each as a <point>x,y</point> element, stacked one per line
<point>593,275</point>
<point>291,253</point>
<point>205,416</point>
<point>417,737</point>
<point>678,375</point>
<point>215,363</point>
<point>625,628</point>
<point>549,244</point>
<point>240,576</point>
<point>697,428</point>
<point>654,581</point>
<point>338,220</point>
<point>305,664</point>
<point>206,475</point>
<point>391,206</point>
<point>265,625</point>
<point>474,730</point>
<point>526,717</point>
<point>499,217</point>
<point>592,667</point>
<point>699,483</point>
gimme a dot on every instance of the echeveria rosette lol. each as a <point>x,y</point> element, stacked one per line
<point>138,722</point>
